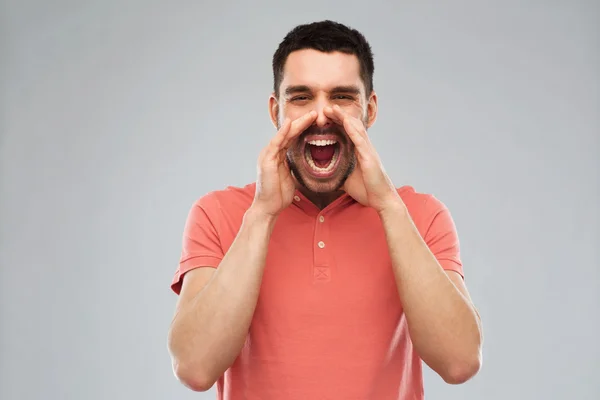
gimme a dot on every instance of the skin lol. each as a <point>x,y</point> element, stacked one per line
<point>215,307</point>
<point>316,81</point>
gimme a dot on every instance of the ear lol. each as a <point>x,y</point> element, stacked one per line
<point>372,109</point>
<point>274,110</point>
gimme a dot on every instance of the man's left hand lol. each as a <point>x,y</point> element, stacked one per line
<point>368,184</point>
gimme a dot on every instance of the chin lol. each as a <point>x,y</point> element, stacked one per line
<point>322,159</point>
<point>309,178</point>
<point>323,186</point>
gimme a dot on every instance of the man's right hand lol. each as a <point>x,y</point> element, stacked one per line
<point>275,185</point>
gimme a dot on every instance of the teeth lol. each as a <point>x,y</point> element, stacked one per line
<point>322,142</point>
<point>314,166</point>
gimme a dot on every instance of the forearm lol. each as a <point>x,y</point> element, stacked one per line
<point>443,324</point>
<point>209,332</point>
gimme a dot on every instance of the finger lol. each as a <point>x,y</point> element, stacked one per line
<point>359,128</point>
<point>283,167</point>
<point>272,149</point>
<point>345,117</point>
<point>281,133</point>
<point>334,116</point>
<point>353,127</point>
<point>298,126</point>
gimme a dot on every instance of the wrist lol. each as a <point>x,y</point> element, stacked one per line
<point>256,215</point>
<point>393,207</point>
<point>396,218</point>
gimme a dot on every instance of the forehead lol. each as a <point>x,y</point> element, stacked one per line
<point>321,70</point>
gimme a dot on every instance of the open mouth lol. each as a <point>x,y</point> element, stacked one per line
<point>322,156</point>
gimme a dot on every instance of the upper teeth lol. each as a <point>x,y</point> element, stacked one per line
<point>322,142</point>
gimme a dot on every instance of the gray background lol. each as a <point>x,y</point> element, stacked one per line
<point>116,116</point>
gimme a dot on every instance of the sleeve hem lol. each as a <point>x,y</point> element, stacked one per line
<point>452,265</point>
<point>190,264</point>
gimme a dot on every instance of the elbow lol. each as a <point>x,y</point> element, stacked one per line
<point>460,372</point>
<point>185,368</point>
<point>192,377</point>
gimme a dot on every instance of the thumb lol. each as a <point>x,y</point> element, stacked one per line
<point>284,166</point>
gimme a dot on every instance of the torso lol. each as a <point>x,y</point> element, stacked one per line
<point>328,323</point>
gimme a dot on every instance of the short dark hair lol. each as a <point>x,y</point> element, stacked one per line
<point>326,36</point>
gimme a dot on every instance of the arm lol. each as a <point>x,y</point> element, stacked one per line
<point>443,323</point>
<point>444,326</point>
<point>214,311</point>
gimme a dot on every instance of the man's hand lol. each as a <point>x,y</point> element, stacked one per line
<point>368,184</point>
<point>275,185</point>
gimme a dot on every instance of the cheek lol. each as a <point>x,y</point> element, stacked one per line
<point>295,149</point>
<point>357,111</point>
<point>291,113</point>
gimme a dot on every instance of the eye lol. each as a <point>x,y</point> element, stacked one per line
<point>299,98</point>
<point>343,97</point>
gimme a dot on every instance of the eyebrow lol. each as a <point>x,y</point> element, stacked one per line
<point>350,89</point>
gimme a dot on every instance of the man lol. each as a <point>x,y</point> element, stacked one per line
<point>321,280</point>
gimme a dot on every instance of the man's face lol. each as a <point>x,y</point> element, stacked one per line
<point>323,156</point>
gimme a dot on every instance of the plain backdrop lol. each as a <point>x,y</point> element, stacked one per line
<point>116,116</point>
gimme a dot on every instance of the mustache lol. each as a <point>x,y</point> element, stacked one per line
<point>329,130</point>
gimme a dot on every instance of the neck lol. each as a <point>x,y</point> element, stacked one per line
<point>321,200</point>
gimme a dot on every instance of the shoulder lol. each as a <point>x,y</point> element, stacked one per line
<point>420,202</point>
<point>423,207</point>
<point>229,200</point>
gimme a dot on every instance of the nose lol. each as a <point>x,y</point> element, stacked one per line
<point>322,121</point>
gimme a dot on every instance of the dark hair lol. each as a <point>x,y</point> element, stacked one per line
<point>326,36</point>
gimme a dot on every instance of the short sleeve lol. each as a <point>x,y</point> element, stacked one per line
<point>442,238</point>
<point>201,246</point>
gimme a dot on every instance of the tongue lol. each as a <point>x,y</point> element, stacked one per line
<point>322,155</point>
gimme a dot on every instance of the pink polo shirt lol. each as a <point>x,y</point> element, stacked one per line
<point>329,322</point>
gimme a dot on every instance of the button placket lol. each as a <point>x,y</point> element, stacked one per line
<point>320,231</point>
<point>321,267</point>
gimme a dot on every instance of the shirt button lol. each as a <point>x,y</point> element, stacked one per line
<point>321,244</point>
<point>297,198</point>
<point>321,218</point>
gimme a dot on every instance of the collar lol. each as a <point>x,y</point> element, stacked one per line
<point>303,204</point>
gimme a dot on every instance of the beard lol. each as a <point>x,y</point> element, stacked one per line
<point>299,167</point>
